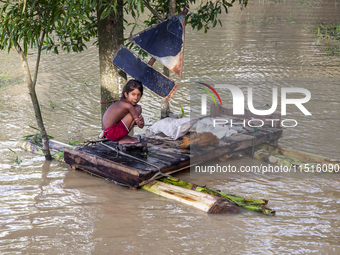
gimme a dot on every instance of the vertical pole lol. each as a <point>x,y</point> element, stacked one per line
<point>165,106</point>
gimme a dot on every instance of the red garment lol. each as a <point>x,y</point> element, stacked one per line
<point>116,132</point>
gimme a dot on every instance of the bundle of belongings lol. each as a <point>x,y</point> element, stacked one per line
<point>203,131</point>
<point>201,139</point>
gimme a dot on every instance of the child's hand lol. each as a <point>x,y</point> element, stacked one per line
<point>140,121</point>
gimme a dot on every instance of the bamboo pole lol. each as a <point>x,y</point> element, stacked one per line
<point>56,148</point>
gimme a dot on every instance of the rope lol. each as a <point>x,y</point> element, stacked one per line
<point>154,177</point>
<point>114,100</point>
<point>89,142</point>
<point>270,137</point>
<point>254,143</point>
<point>124,154</point>
<point>128,155</point>
<point>253,149</point>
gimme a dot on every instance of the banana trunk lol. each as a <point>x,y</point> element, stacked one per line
<point>199,200</point>
<point>258,205</point>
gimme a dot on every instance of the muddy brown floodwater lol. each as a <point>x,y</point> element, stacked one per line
<point>46,208</point>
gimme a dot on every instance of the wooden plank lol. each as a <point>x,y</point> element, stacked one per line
<point>168,155</point>
<point>105,152</point>
<point>165,145</point>
<point>169,148</point>
<point>102,151</point>
<point>102,167</point>
<point>171,151</point>
<point>167,170</point>
<point>111,156</point>
<point>159,161</point>
<point>95,159</point>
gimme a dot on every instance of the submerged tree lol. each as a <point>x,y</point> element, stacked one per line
<point>110,37</point>
<point>44,25</point>
<point>66,24</point>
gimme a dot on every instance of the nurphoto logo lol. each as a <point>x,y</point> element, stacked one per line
<point>238,100</point>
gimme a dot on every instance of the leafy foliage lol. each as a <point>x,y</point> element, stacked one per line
<point>69,24</point>
<point>202,14</point>
<point>64,23</point>
<point>45,25</point>
<point>35,138</point>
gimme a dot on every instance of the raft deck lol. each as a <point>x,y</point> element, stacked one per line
<point>164,156</point>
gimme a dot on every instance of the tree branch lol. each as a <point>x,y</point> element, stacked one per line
<point>38,58</point>
<point>153,11</point>
<point>25,65</point>
<point>172,8</point>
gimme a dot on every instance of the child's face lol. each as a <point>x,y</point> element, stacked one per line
<point>133,96</point>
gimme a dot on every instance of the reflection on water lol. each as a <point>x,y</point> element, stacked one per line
<point>47,208</point>
<point>35,211</point>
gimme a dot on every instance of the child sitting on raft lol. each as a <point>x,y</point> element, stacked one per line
<point>121,116</point>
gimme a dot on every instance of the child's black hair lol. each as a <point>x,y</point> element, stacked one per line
<point>130,86</point>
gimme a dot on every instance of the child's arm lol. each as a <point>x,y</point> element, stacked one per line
<point>138,119</point>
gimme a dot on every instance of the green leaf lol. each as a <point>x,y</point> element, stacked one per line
<point>26,137</point>
<point>214,23</point>
<point>12,150</point>
<point>33,127</point>
<point>133,29</point>
<point>139,3</point>
<point>56,50</point>
<point>25,47</point>
<point>105,13</point>
<point>142,6</point>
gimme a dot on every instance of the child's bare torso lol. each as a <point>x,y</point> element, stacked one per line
<point>115,113</point>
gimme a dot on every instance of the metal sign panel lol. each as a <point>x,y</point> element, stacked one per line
<point>165,42</point>
<point>148,76</point>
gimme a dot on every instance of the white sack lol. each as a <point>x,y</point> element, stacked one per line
<point>169,128</point>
